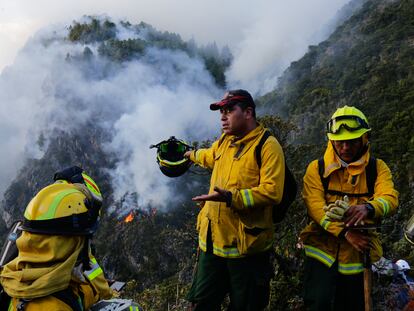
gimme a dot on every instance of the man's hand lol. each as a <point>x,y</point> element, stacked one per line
<point>358,240</point>
<point>355,215</point>
<point>219,195</point>
<point>187,154</point>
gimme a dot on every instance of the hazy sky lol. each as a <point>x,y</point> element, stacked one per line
<point>258,32</point>
<point>39,88</point>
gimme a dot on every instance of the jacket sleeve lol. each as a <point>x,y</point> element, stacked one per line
<point>205,157</point>
<point>314,197</point>
<point>385,200</point>
<point>97,287</point>
<point>272,177</point>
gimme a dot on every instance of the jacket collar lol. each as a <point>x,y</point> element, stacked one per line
<point>252,135</point>
<point>333,162</point>
<point>243,144</point>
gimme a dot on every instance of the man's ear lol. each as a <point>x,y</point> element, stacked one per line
<point>249,112</point>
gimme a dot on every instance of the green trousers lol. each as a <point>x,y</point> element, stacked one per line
<point>326,289</point>
<point>246,280</point>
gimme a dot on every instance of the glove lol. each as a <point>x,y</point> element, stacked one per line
<point>336,211</point>
<point>344,204</point>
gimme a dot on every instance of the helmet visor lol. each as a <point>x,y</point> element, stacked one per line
<point>350,123</point>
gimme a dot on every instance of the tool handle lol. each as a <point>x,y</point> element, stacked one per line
<point>367,289</point>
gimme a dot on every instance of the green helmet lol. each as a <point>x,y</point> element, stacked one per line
<point>170,157</point>
<point>347,123</point>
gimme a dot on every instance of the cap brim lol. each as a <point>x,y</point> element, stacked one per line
<point>221,104</point>
<point>215,106</point>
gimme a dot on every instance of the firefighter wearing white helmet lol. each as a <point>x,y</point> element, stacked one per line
<point>344,189</point>
<point>54,269</point>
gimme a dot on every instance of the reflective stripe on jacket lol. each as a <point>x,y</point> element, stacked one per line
<point>322,237</point>
<point>246,226</point>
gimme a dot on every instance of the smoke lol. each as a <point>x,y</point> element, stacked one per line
<point>53,85</point>
<point>277,35</point>
<point>265,35</point>
<point>141,102</point>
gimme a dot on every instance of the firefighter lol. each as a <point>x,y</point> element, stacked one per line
<point>345,191</point>
<point>54,268</point>
<point>235,224</point>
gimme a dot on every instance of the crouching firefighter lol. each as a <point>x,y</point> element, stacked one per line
<point>54,268</point>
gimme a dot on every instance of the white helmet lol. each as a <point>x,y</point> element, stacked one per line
<point>402,265</point>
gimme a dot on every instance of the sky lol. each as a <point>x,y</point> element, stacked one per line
<point>39,88</point>
<point>264,35</point>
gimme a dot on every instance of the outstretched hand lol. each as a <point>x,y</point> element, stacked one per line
<point>219,195</point>
<point>187,154</point>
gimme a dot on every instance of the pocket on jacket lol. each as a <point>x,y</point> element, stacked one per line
<point>253,239</point>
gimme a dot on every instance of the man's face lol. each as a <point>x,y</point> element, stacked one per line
<point>348,149</point>
<point>234,121</point>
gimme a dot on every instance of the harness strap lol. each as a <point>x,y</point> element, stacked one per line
<point>22,304</point>
<point>371,177</point>
<point>258,150</point>
<point>324,180</point>
<point>68,296</point>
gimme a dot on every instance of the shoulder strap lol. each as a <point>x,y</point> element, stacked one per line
<point>258,150</point>
<point>321,169</point>
<point>371,177</point>
<point>68,296</point>
<point>371,174</point>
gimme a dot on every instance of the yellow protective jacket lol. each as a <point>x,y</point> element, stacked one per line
<point>246,226</point>
<point>324,240</point>
<point>45,265</point>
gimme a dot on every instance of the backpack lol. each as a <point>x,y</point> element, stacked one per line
<point>371,173</point>
<point>290,188</point>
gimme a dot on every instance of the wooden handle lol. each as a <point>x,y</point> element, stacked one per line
<point>367,289</point>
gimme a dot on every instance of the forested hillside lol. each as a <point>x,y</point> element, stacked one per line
<point>368,61</point>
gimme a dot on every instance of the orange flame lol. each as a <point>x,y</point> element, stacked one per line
<point>129,218</point>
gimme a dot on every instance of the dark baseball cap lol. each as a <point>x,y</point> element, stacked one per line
<point>233,97</point>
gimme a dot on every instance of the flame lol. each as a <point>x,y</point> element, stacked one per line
<point>129,218</point>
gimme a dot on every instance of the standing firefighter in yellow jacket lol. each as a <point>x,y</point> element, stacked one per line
<point>54,268</point>
<point>235,224</point>
<point>345,190</point>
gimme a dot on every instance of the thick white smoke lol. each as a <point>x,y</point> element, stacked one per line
<point>264,35</point>
<point>44,88</point>
<point>141,102</point>
<point>277,35</point>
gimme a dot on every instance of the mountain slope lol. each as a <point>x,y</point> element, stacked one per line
<point>368,62</point>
